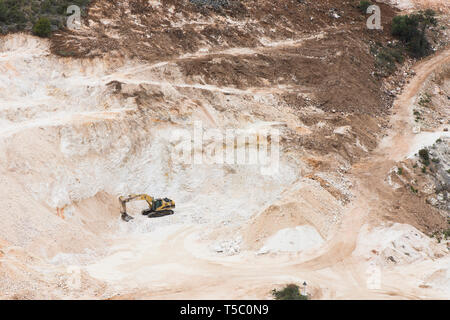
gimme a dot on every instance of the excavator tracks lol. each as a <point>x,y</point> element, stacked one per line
<point>157,214</point>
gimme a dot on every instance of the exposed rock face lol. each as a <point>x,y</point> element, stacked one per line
<point>104,111</point>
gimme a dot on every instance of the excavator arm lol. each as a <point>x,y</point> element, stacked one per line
<point>123,203</point>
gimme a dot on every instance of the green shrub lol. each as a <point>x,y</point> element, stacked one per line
<point>411,29</point>
<point>363,5</point>
<point>404,27</point>
<point>387,58</point>
<point>3,11</point>
<point>400,171</point>
<point>16,15</point>
<point>215,4</point>
<point>65,53</point>
<point>424,154</point>
<point>42,27</point>
<point>447,233</point>
<point>290,292</point>
<point>425,99</point>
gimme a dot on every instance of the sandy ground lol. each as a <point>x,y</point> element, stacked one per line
<point>440,5</point>
<point>337,270</point>
<point>78,133</point>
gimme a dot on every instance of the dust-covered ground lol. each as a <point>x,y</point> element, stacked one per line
<point>93,114</point>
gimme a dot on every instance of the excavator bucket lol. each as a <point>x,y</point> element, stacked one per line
<point>126,217</point>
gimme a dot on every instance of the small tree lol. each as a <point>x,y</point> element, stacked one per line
<point>363,5</point>
<point>290,292</point>
<point>411,29</point>
<point>42,27</point>
<point>447,234</point>
<point>424,154</point>
<point>3,11</point>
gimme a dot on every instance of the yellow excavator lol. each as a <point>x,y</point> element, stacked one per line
<point>157,207</point>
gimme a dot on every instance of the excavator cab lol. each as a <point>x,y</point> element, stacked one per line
<point>160,207</point>
<point>156,207</point>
